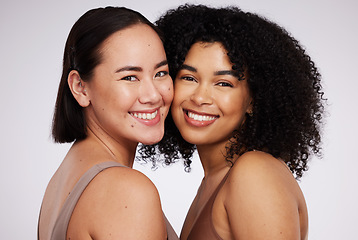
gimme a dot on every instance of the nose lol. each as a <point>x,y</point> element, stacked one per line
<point>148,92</point>
<point>202,95</point>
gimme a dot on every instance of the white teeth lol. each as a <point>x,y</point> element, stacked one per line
<point>145,116</point>
<point>201,118</point>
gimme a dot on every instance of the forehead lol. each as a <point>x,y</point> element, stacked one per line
<point>208,54</point>
<point>137,41</point>
<point>137,35</point>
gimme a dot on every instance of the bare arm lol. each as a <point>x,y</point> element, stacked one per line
<point>119,203</point>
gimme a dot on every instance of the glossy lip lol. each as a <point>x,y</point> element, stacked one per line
<point>147,122</point>
<point>198,123</point>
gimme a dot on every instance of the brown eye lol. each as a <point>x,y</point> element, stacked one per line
<point>187,78</point>
<point>225,84</point>
<point>130,78</point>
<point>161,74</point>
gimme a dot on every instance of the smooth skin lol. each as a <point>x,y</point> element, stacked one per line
<point>260,199</point>
<point>126,102</point>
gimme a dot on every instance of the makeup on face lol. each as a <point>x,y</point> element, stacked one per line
<point>210,101</point>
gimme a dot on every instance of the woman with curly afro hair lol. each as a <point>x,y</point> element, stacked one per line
<point>249,99</point>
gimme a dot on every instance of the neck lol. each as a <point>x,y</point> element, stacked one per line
<point>122,152</point>
<point>212,158</point>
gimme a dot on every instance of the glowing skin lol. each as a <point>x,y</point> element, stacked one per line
<point>209,104</point>
<point>131,90</point>
<point>209,101</point>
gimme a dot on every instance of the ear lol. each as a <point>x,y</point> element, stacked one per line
<point>249,109</point>
<point>77,87</point>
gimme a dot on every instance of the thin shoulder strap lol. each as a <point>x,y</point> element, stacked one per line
<point>171,234</point>
<point>60,229</point>
<point>203,222</point>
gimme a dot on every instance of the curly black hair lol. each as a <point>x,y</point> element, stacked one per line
<point>288,103</point>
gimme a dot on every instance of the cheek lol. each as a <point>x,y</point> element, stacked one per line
<point>181,93</point>
<point>232,105</point>
<point>176,108</point>
<point>175,114</point>
<point>176,100</point>
<point>167,92</point>
<point>125,97</point>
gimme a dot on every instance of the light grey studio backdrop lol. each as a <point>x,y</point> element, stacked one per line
<point>33,34</point>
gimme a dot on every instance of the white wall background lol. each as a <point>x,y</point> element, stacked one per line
<point>32,37</point>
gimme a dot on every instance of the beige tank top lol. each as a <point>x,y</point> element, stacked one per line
<point>60,229</point>
<point>203,227</point>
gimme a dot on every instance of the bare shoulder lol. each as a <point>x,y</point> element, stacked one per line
<point>260,167</point>
<point>262,188</point>
<point>125,187</point>
<point>117,201</point>
<point>259,175</point>
<point>125,179</point>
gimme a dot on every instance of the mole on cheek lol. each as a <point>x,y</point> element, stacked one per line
<point>132,125</point>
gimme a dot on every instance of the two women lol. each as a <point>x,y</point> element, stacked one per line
<point>249,98</point>
<point>115,91</point>
<point>246,96</point>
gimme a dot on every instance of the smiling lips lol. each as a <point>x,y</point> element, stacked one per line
<point>199,120</point>
<point>147,118</point>
<point>144,116</point>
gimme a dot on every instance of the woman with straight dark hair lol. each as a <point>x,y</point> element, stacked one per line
<point>115,91</point>
<point>249,99</point>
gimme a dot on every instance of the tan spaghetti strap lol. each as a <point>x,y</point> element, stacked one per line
<point>60,229</point>
<point>61,225</point>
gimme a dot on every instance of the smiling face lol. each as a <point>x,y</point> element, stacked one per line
<point>131,90</point>
<point>209,102</point>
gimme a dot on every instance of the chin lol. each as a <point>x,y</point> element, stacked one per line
<point>152,139</point>
<point>196,140</point>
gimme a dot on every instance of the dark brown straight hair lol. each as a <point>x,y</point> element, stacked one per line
<point>82,54</point>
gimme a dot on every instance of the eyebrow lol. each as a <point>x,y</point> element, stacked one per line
<point>226,72</point>
<point>129,68</point>
<point>187,67</point>
<point>217,73</point>
<point>162,63</point>
<point>139,69</point>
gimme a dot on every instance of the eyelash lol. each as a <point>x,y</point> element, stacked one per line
<point>222,84</point>
<point>190,79</point>
<point>132,78</point>
<point>225,84</point>
<point>129,78</point>
<point>161,74</point>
